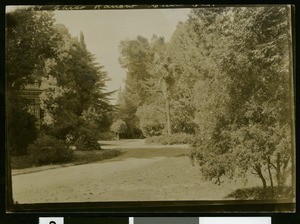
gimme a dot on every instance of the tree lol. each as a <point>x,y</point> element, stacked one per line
<point>118,127</point>
<point>269,105</point>
<point>255,116</point>
<point>168,89</point>
<point>152,119</point>
<point>135,56</point>
<point>22,128</point>
<point>190,65</point>
<point>125,110</point>
<point>159,89</point>
<point>163,69</point>
<point>77,97</point>
<point>30,35</point>
<point>30,42</point>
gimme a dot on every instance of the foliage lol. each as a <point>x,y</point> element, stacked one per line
<point>30,35</point>
<point>157,87</point>
<point>108,135</point>
<point>223,81</point>
<point>243,108</point>
<point>118,127</point>
<point>87,142</point>
<point>162,71</point>
<point>152,119</point>
<point>135,56</point>
<point>49,150</point>
<point>79,157</point>
<point>21,162</point>
<point>76,97</point>
<point>173,139</point>
<point>259,193</point>
<point>22,128</point>
<point>126,110</point>
<point>86,138</point>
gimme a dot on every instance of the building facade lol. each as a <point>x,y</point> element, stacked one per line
<point>31,93</point>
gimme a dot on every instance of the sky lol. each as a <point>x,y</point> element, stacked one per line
<point>104,29</point>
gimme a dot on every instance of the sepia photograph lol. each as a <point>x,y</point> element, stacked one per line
<point>144,104</point>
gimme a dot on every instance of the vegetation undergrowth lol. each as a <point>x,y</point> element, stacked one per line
<point>79,157</point>
<point>177,138</point>
<point>259,193</point>
<point>49,150</point>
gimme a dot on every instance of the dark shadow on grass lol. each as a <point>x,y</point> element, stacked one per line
<point>80,157</point>
<point>108,144</point>
<point>98,155</point>
<point>21,162</point>
<point>258,193</point>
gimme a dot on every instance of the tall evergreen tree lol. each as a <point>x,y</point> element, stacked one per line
<point>82,106</point>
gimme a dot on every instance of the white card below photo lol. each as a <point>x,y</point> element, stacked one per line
<point>51,220</point>
<point>235,220</point>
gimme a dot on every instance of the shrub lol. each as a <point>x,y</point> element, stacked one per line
<point>86,143</point>
<point>152,120</point>
<point>49,150</point>
<point>118,127</point>
<point>87,140</point>
<point>176,138</point>
<point>22,130</point>
<point>259,193</point>
<point>108,135</point>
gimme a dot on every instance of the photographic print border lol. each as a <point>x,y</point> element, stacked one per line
<point>153,206</point>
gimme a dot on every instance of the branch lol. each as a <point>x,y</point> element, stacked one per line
<point>275,167</point>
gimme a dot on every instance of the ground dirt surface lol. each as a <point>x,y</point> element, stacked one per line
<point>142,172</point>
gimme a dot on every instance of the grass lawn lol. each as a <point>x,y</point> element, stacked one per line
<point>111,151</point>
<point>81,157</point>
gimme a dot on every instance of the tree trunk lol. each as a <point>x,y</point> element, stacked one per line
<point>270,176</point>
<point>278,171</point>
<point>168,118</point>
<point>165,91</point>
<point>270,173</point>
<point>261,176</point>
<point>131,131</point>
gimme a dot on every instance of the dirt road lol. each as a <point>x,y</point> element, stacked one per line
<point>139,174</point>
